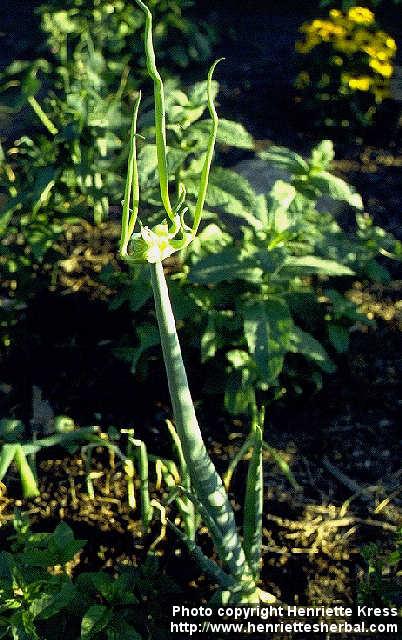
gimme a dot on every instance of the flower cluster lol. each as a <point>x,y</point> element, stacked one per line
<point>358,55</point>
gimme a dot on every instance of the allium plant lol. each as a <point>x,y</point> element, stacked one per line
<point>240,559</point>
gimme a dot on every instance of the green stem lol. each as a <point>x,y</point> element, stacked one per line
<point>253,505</point>
<point>207,565</point>
<point>190,520</point>
<point>28,482</point>
<point>7,454</point>
<point>132,186</point>
<point>209,155</point>
<point>142,457</point>
<point>205,480</point>
<point>160,111</point>
<point>45,120</point>
<point>227,478</point>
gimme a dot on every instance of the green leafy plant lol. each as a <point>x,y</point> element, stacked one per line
<point>74,98</point>
<point>63,172</point>
<point>381,582</point>
<point>39,598</point>
<point>261,294</point>
<point>182,40</point>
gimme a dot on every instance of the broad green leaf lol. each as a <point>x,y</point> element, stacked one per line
<point>22,626</point>
<point>377,271</point>
<point>322,155</point>
<point>281,196</point>
<point>282,193</point>
<point>339,337</point>
<point>210,240</point>
<point>148,336</point>
<point>136,290</point>
<point>229,133</point>
<point>119,629</point>
<point>114,590</point>
<point>234,134</point>
<point>49,605</point>
<point>341,308</point>
<point>283,157</point>
<point>266,328</point>
<point>305,344</point>
<point>148,163</point>
<point>209,340</point>
<point>63,21</point>
<point>328,185</point>
<point>7,212</point>
<point>238,358</point>
<point>261,209</point>
<point>234,194</point>
<point>308,265</point>
<point>198,93</point>
<point>63,535</point>
<point>95,620</point>
<point>239,391</point>
<point>65,544</point>
<point>44,183</point>
<point>226,265</point>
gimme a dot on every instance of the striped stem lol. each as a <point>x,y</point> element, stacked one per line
<point>253,505</point>
<point>190,519</point>
<point>142,457</point>
<point>205,481</point>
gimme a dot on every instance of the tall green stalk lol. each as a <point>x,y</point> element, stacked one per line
<point>202,485</point>
<point>204,478</point>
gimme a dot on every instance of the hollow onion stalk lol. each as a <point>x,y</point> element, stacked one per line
<point>206,490</point>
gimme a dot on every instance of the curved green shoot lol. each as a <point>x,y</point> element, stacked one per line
<point>6,457</point>
<point>160,112</point>
<point>253,506</point>
<point>227,478</point>
<point>142,457</point>
<point>16,453</point>
<point>209,154</point>
<point>28,482</point>
<point>209,566</point>
<point>132,186</point>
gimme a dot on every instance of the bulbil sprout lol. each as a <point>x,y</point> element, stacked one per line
<point>172,234</point>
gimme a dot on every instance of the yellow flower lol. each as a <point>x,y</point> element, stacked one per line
<point>335,13</point>
<point>361,15</point>
<point>362,83</point>
<point>391,44</point>
<point>382,55</point>
<point>363,37</point>
<point>377,51</point>
<point>383,68</point>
